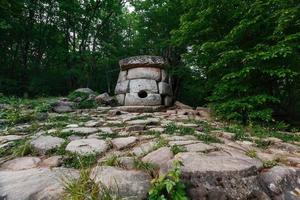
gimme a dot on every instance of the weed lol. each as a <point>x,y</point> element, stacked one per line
<point>145,166</point>
<point>270,163</point>
<point>112,160</point>
<point>177,149</point>
<point>172,129</point>
<point>169,186</point>
<point>251,153</point>
<point>264,144</point>
<point>162,142</point>
<point>208,138</point>
<point>85,188</point>
<point>77,161</point>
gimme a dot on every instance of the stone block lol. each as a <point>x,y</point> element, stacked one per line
<point>122,87</point>
<point>132,99</point>
<point>137,85</point>
<point>120,99</point>
<point>168,101</point>
<point>122,76</point>
<point>164,76</point>
<point>164,88</point>
<point>144,73</point>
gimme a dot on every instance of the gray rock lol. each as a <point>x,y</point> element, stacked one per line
<point>9,138</point>
<point>85,90</point>
<point>231,178</point>
<point>121,143</point>
<point>63,107</point>
<point>164,88</point>
<point>137,85</point>
<point>164,75</point>
<point>104,98</point>
<point>144,73</point>
<point>182,142</point>
<point>141,61</point>
<point>168,101</point>
<point>87,146</point>
<point>127,184</point>
<point>199,147</point>
<point>141,108</point>
<point>45,143</point>
<point>159,157</point>
<point>120,98</point>
<point>35,184</point>
<point>137,127</point>
<point>132,99</point>
<point>122,76</point>
<point>149,121</point>
<point>106,130</point>
<point>143,148</point>
<point>81,130</point>
<point>53,161</point>
<point>122,87</point>
<point>127,162</point>
<point>280,181</point>
<point>21,163</point>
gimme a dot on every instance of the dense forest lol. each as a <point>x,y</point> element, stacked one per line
<point>240,57</point>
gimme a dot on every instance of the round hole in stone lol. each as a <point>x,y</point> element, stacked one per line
<point>142,94</point>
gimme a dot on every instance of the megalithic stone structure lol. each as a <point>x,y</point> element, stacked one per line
<point>143,81</point>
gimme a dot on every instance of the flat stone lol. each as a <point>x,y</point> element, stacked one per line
<point>182,142</point>
<point>141,108</point>
<point>280,181</point>
<point>53,161</point>
<point>106,130</point>
<point>72,126</point>
<point>63,107</point>
<point>141,61</point>
<point>143,148</point>
<point>149,121</point>
<point>159,157</point>
<point>122,87</point>
<point>87,146</point>
<point>199,147</point>
<point>178,137</point>
<point>128,184</point>
<point>135,128</point>
<point>165,88</point>
<point>93,123</point>
<point>45,143</point>
<point>157,129</point>
<point>36,183</point>
<point>144,73</point>
<point>21,163</point>
<point>121,143</point>
<point>127,162</point>
<point>137,85</point>
<point>9,138</point>
<point>232,178</point>
<point>81,130</point>
<point>85,90</point>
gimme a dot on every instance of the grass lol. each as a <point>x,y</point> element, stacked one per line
<point>19,148</point>
<point>76,161</point>
<point>251,153</point>
<point>173,129</point>
<point>112,160</point>
<point>145,166</point>
<point>208,138</point>
<point>177,149</point>
<point>85,188</point>
<point>162,142</point>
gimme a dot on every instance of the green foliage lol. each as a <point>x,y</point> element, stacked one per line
<point>112,160</point>
<point>145,166</point>
<point>177,149</point>
<point>245,55</point>
<point>77,161</point>
<point>85,188</point>
<point>172,129</point>
<point>270,163</point>
<point>18,149</point>
<point>208,138</point>
<point>168,186</point>
<point>251,153</point>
